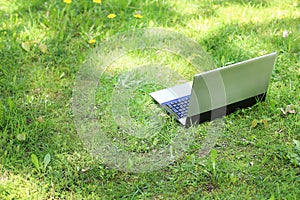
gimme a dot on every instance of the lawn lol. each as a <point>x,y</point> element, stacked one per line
<point>45,48</point>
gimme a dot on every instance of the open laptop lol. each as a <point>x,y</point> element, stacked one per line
<point>218,92</point>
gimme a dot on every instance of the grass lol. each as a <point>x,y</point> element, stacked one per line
<point>43,46</point>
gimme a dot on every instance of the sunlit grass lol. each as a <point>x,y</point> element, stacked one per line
<point>36,88</point>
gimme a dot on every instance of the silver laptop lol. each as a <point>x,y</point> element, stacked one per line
<point>218,92</point>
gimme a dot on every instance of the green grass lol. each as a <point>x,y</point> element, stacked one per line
<point>44,44</point>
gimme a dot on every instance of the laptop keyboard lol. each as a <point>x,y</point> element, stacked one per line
<point>179,106</point>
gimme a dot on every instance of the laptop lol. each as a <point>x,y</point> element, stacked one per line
<point>219,92</point>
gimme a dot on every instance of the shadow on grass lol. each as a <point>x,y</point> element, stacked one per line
<point>236,42</point>
<point>255,3</point>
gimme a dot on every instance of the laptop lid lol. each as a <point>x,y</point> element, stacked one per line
<point>224,86</point>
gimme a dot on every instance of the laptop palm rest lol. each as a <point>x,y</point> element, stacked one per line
<point>172,93</point>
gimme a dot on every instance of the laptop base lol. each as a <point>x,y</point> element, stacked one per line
<point>225,110</point>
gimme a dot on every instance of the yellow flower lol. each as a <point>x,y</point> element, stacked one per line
<point>138,16</point>
<point>92,41</point>
<point>68,1</point>
<point>111,16</point>
<point>97,1</point>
